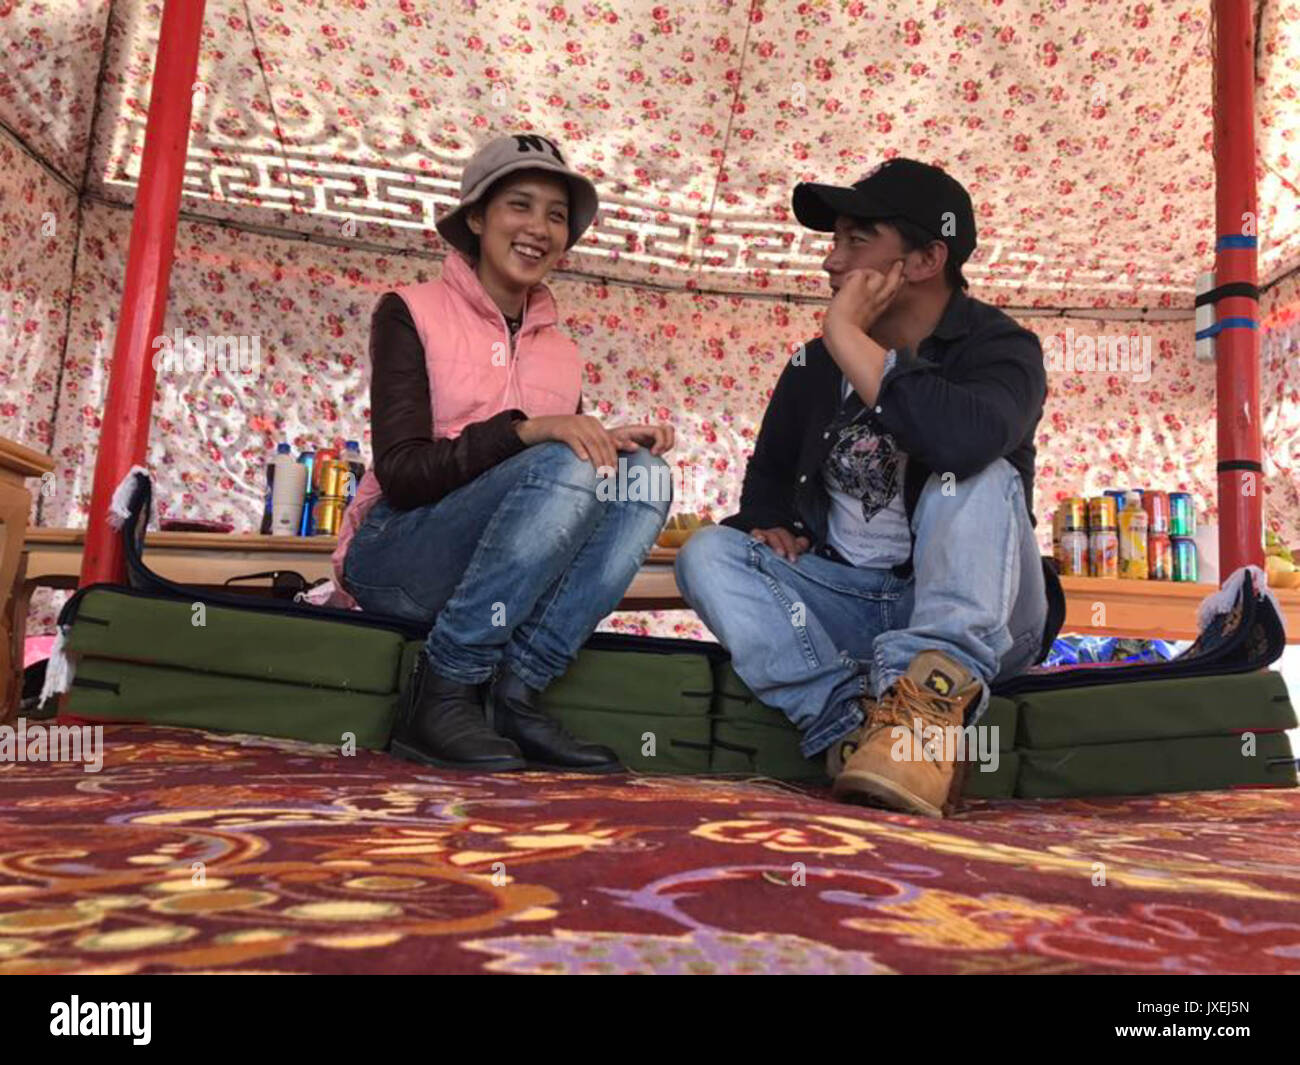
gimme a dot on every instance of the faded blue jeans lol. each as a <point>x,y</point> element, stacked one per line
<point>518,566</point>
<point>811,637</point>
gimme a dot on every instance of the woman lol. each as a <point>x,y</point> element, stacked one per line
<point>482,515</point>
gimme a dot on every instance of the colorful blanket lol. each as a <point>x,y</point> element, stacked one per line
<point>198,852</point>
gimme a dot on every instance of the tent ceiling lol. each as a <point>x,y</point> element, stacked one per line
<point>1083,130</point>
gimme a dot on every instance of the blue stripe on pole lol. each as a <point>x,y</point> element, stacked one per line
<point>1234,240</point>
<point>1227,323</point>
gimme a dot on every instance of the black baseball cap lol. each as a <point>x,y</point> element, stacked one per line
<point>898,188</point>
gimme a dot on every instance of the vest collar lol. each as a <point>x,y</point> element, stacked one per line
<point>458,274</point>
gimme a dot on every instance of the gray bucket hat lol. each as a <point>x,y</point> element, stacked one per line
<point>505,155</point>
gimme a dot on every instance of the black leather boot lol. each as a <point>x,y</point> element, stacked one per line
<point>543,741</point>
<point>442,724</point>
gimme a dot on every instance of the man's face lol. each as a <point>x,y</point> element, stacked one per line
<point>857,245</point>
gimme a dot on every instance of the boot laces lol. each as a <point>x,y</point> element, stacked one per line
<point>906,701</point>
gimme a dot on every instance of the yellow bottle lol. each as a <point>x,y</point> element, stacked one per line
<point>1133,539</point>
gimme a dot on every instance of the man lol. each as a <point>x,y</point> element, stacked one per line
<point>883,569</point>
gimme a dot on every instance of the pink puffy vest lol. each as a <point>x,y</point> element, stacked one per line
<point>472,372</point>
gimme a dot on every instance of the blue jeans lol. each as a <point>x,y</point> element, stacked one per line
<point>811,637</point>
<point>518,566</point>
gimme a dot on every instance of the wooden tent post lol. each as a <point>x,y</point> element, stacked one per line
<point>124,426</point>
<point>1240,473</point>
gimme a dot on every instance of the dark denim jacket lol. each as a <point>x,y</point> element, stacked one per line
<point>971,394</point>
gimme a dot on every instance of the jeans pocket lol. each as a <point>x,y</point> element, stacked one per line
<point>393,600</point>
<point>384,598</point>
<point>869,585</point>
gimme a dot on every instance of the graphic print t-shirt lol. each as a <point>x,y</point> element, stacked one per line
<point>864,475</point>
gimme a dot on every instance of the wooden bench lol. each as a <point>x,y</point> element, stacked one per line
<point>1154,609</point>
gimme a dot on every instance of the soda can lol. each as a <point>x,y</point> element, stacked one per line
<point>1076,515</point>
<point>327,516</point>
<point>324,455</point>
<point>1160,557</point>
<point>1156,504</point>
<point>1184,552</point>
<point>1073,555</point>
<point>1102,513</point>
<point>333,478</point>
<point>1103,553</point>
<point>1182,514</point>
<point>1117,494</point>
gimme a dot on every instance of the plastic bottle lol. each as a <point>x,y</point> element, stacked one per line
<point>352,456</point>
<point>307,460</point>
<point>1133,539</point>
<point>288,494</point>
<point>280,449</point>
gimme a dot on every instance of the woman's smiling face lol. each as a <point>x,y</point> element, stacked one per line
<point>524,229</point>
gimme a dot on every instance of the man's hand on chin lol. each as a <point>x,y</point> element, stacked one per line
<point>862,298</point>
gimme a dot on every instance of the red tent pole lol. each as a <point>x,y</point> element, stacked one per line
<point>124,425</point>
<point>1241,490</point>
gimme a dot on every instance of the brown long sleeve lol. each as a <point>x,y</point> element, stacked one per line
<point>413,468</point>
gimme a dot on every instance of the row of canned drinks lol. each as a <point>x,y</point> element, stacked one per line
<point>320,497</point>
<point>1137,534</point>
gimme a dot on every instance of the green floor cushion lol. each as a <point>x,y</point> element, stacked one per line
<point>110,623</point>
<point>109,690</point>
<point>631,682</point>
<point>752,737</point>
<point>999,783</point>
<point>1002,714</point>
<point>1200,706</point>
<point>770,748</point>
<point>1197,763</point>
<point>645,743</point>
<point>651,708</point>
<point>664,706</point>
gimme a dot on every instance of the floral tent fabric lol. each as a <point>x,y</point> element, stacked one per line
<point>1083,131</point>
<point>1081,128</point>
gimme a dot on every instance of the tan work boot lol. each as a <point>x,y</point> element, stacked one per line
<point>839,752</point>
<point>935,692</point>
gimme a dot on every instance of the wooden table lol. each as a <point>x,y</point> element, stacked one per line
<point>17,463</point>
<point>210,559</point>
<point>1100,607</point>
<point>1152,609</point>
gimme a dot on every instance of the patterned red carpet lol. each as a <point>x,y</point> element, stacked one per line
<point>197,852</point>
